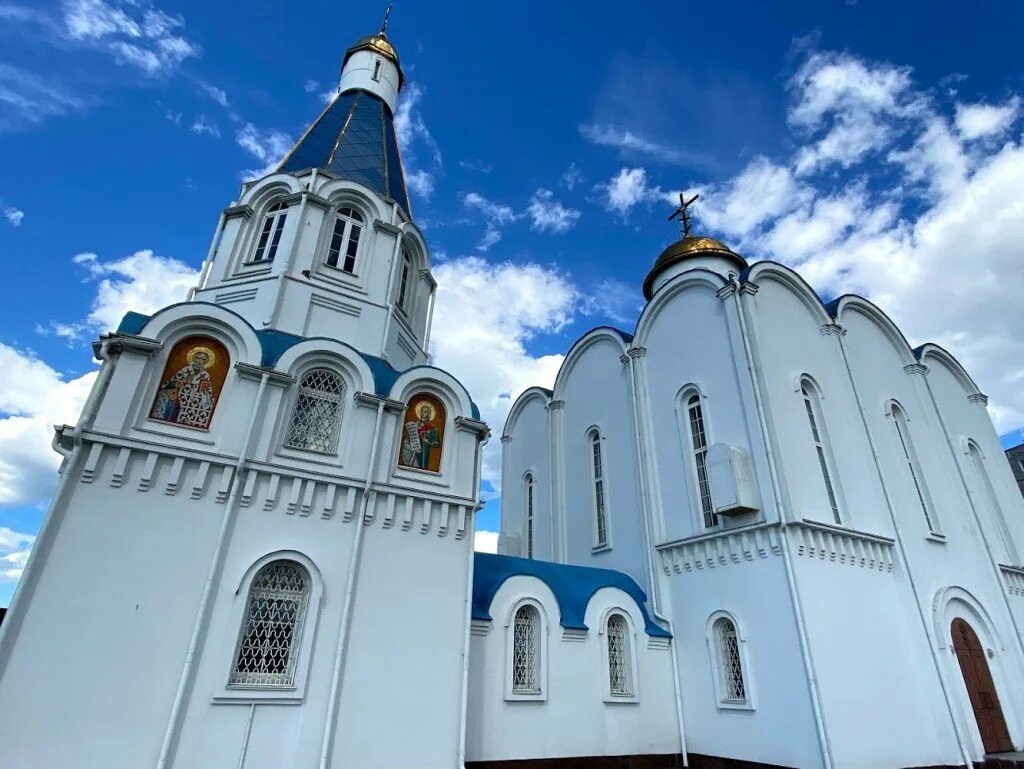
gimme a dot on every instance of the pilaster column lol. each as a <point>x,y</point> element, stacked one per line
<point>556,415</point>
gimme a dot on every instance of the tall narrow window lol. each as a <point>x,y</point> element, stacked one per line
<point>992,501</point>
<point>733,687</point>
<point>376,69</point>
<point>528,500</point>
<point>699,446</point>
<point>270,235</point>
<point>909,457</point>
<point>526,651</point>
<point>619,667</point>
<point>317,412</point>
<point>273,620</point>
<point>348,227</point>
<point>597,467</point>
<point>813,410</point>
<point>406,277</point>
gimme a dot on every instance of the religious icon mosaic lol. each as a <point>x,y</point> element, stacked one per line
<point>191,382</point>
<point>423,434</point>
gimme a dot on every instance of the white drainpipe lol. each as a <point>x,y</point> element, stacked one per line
<point>346,607</point>
<point>216,563</point>
<point>794,592</point>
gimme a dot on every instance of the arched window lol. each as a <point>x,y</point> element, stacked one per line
<point>699,447</point>
<point>348,227</point>
<point>597,475</point>
<point>619,664</point>
<point>526,651</point>
<point>270,234</point>
<point>272,626</point>
<point>991,501</point>
<point>191,382</point>
<point>405,281</point>
<point>528,502</point>
<point>317,412</point>
<point>732,684</point>
<point>908,457</point>
<point>812,406</point>
<point>423,434</point>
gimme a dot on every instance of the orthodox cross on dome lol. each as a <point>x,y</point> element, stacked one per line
<point>683,213</point>
<point>387,14</point>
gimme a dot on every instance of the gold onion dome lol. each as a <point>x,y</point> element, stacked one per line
<point>378,43</point>
<point>690,247</point>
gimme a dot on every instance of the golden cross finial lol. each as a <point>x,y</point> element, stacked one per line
<point>683,213</point>
<point>387,13</point>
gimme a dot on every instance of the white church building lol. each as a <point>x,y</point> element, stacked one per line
<point>755,531</point>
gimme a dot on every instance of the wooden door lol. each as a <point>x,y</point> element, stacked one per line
<point>980,688</point>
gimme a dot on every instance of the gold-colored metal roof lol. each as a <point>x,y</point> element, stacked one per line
<point>690,247</point>
<point>378,43</point>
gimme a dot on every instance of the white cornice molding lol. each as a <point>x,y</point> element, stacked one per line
<point>249,371</point>
<point>243,211</point>
<point>916,368</point>
<point>978,398</point>
<point>381,226</point>
<point>371,399</point>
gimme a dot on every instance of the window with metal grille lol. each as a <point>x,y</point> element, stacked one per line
<point>909,456</point>
<point>348,227</point>
<point>403,284</point>
<point>597,467</point>
<point>699,446</point>
<point>528,494</point>
<point>813,409</point>
<point>730,666</point>
<point>317,413</point>
<point>618,656</point>
<point>270,235</point>
<point>526,651</point>
<point>273,621</point>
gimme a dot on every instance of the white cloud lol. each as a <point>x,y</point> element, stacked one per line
<point>13,215</point>
<point>146,38</point>
<point>496,215</point>
<point>484,318</point>
<point>548,215</point>
<point>572,176</point>
<point>267,146</point>
<point>485,541</point>
<point>312,86</point>
<point>142,281</point>
<point>27,99</point>
<point>628,188</point>
<point>976,121</point>
<point>203,125</point>
<point>762,191</point>
<point>219,95</point>
<point>631,144</point>
<point>853,102</point>
<point>14,549</point>
<point>33,398</point>
<point>420,182</point>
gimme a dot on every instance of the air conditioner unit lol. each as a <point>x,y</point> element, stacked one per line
<point>731,475</point>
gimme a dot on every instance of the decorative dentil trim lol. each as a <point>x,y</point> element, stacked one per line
<point>555,405</point>
<point>720,548</point>
<point>830,329</point>
<point>841,545</point>
<point>978,398</point>
<point>916,368</point>
<point>287,491</point>
<point>1014,576</point>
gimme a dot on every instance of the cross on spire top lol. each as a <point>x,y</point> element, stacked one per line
<point>683,213</point>
<point>387,14</point>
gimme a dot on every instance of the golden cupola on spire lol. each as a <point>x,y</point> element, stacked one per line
<point>691,252</point>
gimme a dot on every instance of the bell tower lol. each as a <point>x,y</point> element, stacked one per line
<point>326,245</point>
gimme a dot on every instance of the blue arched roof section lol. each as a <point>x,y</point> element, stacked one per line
<point>573,587</point>
<point>275,343</point>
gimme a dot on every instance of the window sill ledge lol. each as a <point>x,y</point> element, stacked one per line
<point>524,697</point>
<point>939,538</point>
<point>621,699</point>
<point>726,705</point>
<point>600,549</point>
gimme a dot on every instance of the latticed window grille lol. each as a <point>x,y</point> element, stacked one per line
<point>317,411</point>
<point>270,234</point>
<point>345,239</point>
<point>734,688</point>
<point>699,440</point>
<point>600,521</point>
<point>814,418</point>
<point>529,515</point>
<point>618,656</point>
<point>273,621</point>
<point>525,651</point>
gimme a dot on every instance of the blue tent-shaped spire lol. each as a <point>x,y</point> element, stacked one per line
<point>354,139</point>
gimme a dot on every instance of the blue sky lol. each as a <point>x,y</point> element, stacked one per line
<point>874,146</point>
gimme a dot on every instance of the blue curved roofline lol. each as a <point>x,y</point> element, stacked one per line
<point>573,587</point>
<point>274,344</point>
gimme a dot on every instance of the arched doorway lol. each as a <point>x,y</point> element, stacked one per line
<point>980,688</point>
